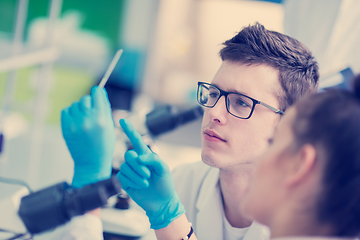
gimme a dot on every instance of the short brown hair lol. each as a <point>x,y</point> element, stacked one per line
<point>298,69</point>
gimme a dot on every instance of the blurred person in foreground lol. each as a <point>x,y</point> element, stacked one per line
<point>304,186</point>
<point>262,73</point>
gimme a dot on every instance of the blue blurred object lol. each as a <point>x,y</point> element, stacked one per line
<point>89,132</point>
<point>122,82</point>
<point>340,79</point>
<point>130,69</point>
<point>138,23</point>
<point>347,75</point>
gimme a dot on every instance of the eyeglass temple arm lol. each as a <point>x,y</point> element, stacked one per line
<point>272,108</point>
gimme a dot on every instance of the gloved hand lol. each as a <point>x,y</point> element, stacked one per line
<point>89,132</point>
<point>148,181</point>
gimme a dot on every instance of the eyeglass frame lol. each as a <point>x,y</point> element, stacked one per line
<point>225,93</point>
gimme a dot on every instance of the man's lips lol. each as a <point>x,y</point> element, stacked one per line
<point>211,136</point>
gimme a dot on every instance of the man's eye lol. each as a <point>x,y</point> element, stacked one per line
<point>241,103</point>
<point>213,95</point>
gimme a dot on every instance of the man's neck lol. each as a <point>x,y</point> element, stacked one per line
<point>233,185</point>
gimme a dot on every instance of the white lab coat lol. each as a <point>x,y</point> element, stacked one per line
<point>198,188</point>
<point>85,227</point>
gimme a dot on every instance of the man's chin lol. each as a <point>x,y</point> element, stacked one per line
<point>222,162</point>
<point>211,161</point>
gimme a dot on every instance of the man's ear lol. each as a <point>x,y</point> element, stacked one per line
<point>302,164</point>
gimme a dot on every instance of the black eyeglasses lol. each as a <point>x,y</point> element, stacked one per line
<point>237,104</point>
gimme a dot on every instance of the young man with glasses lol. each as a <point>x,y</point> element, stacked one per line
<point>262,73</point>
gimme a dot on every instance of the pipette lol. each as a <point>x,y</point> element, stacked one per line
<point>110,68</point>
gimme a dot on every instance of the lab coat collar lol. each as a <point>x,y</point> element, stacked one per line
<point>208,188</point>
<point>209,215</point>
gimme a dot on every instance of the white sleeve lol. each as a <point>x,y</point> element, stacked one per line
<point>85,227</point>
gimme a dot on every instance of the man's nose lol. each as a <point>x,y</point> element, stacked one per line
<point>219,111</point>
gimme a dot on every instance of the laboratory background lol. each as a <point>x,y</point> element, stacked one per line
<point>53,51</point>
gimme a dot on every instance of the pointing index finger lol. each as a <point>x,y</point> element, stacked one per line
<point>136,140</point>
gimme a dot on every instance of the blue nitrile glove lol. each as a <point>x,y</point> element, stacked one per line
<point>148,181</point>
<point>89,132</point>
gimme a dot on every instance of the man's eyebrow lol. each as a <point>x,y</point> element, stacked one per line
<point>231,90</point>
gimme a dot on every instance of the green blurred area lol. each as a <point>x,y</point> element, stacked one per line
<point>70,84</point>
<point>103,17</point>
<point>23,93</point>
